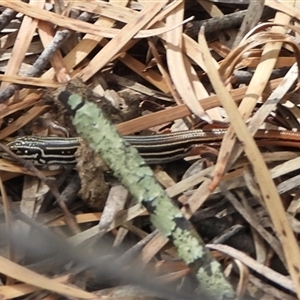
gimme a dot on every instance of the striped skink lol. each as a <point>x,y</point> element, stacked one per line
<point>161,148</point>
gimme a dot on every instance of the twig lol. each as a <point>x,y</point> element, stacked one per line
<point>7,15</point>
<point>138,178</point>
<point>216,24</point>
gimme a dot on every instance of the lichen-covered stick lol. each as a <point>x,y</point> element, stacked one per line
<point>137,177</point>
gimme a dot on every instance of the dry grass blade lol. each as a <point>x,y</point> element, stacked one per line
<point>266,184</point>
<point>121,39</point>
<point>254,92</point>
<point>251,263</point>
<point>178,112</point>
<point>27,102</point>
<point>25,275</point>
<point>86,45</point>
<point>284,7</point>
<point>25,119</point>
<point>128,215</point>
<point>139,68</point>
<point>10,170</point>
<point>180,69</point>
<point>47,33</point>
<point>80,218</point>
<point>116,201</point>
<point>41,14</point>
<point>274,98</point>
<point>244,278</point>
<point>23,40</point>
<point>76,25</point>
<point>18,290</point>
<point>32,81</point>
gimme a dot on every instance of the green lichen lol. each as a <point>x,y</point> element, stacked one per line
<point>138,178</point>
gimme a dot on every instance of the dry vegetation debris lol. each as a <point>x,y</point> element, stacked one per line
<point>155,66</point>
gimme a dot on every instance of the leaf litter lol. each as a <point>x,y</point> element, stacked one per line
<point>175,66</point>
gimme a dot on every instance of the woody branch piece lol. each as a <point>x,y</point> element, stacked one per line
<point>137,177</point>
